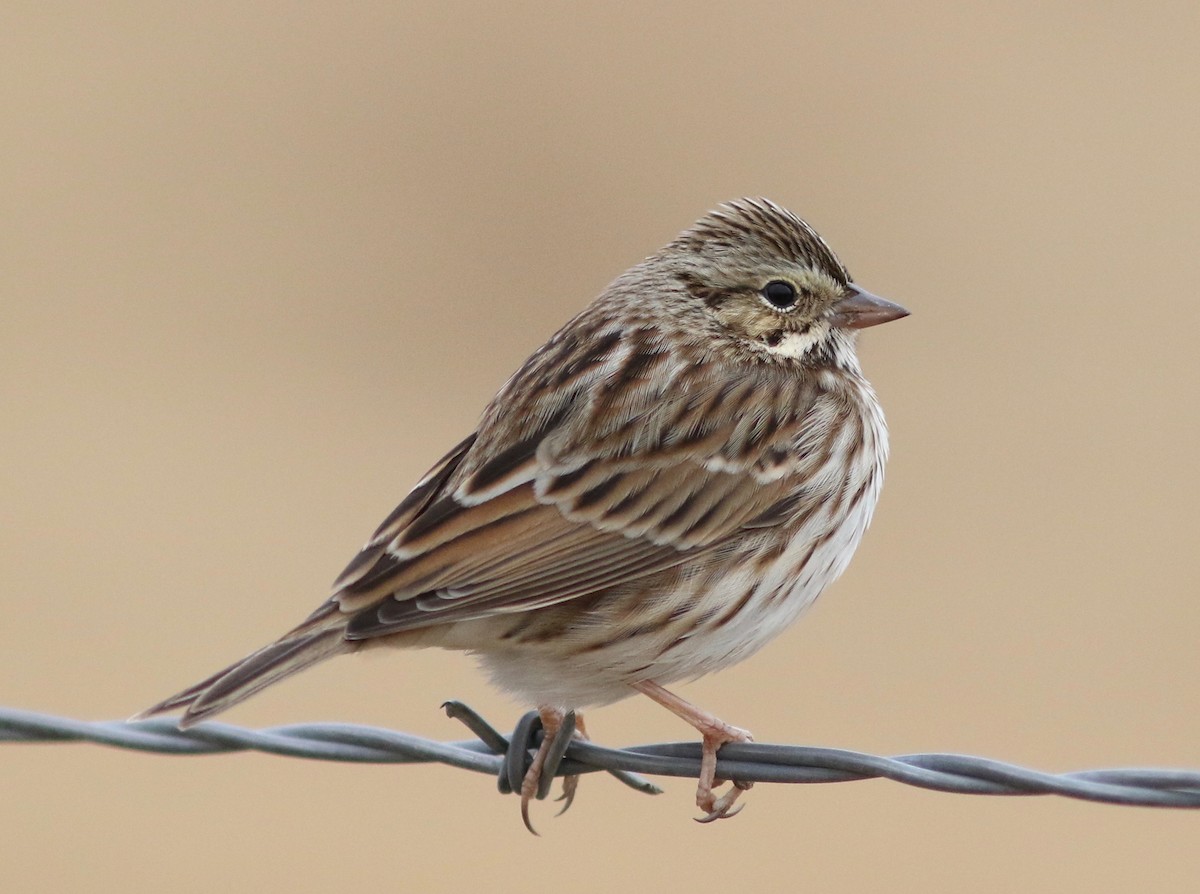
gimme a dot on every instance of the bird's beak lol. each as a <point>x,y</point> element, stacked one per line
<point>860,309</point>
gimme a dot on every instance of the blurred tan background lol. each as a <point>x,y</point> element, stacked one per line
<point>260,265</point>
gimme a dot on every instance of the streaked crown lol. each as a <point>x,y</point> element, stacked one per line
<point>756,229</point>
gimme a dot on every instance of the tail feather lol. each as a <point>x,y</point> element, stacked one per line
<point>302,647</point>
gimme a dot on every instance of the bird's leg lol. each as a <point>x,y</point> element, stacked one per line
<point>715,733</point>
<point>533,786</point>
<point>571,783</point>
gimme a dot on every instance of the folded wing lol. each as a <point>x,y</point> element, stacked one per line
<point>584,501</point>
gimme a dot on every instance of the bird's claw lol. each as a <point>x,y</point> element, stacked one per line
<point>720,807</point>
<point>569,787</point>
<point>558,730</point>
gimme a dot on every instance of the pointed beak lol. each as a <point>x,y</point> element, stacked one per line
<point>860,309</point>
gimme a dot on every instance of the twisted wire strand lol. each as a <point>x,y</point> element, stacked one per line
<point>505,756</point>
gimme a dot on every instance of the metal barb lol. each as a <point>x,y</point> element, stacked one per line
<point>487,733</point>
<point>518,758</point>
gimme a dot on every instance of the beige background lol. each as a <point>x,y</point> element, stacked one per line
<point>260,266</point>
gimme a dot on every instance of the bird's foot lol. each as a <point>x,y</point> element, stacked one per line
<point>715,733</point>
<point>558,729</point>
<point>718,807</point>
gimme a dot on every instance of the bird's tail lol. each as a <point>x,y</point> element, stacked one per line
<point>321,636</point>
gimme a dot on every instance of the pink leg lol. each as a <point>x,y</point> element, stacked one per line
<point>552,719</point>
<point>715,733</point>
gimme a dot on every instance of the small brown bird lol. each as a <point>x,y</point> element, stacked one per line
<point>658,491</point>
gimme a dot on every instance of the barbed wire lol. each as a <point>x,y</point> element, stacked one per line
<point>507,756</point>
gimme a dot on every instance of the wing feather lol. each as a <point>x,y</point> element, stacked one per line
<point>416,501</point>
<point>587,502</point>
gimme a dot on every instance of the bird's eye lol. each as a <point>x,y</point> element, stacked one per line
<point>780,294</point>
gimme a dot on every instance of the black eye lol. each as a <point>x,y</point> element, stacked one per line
<point>780,294</point>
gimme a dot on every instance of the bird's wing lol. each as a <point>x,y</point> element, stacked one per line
<point>589,499</point>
